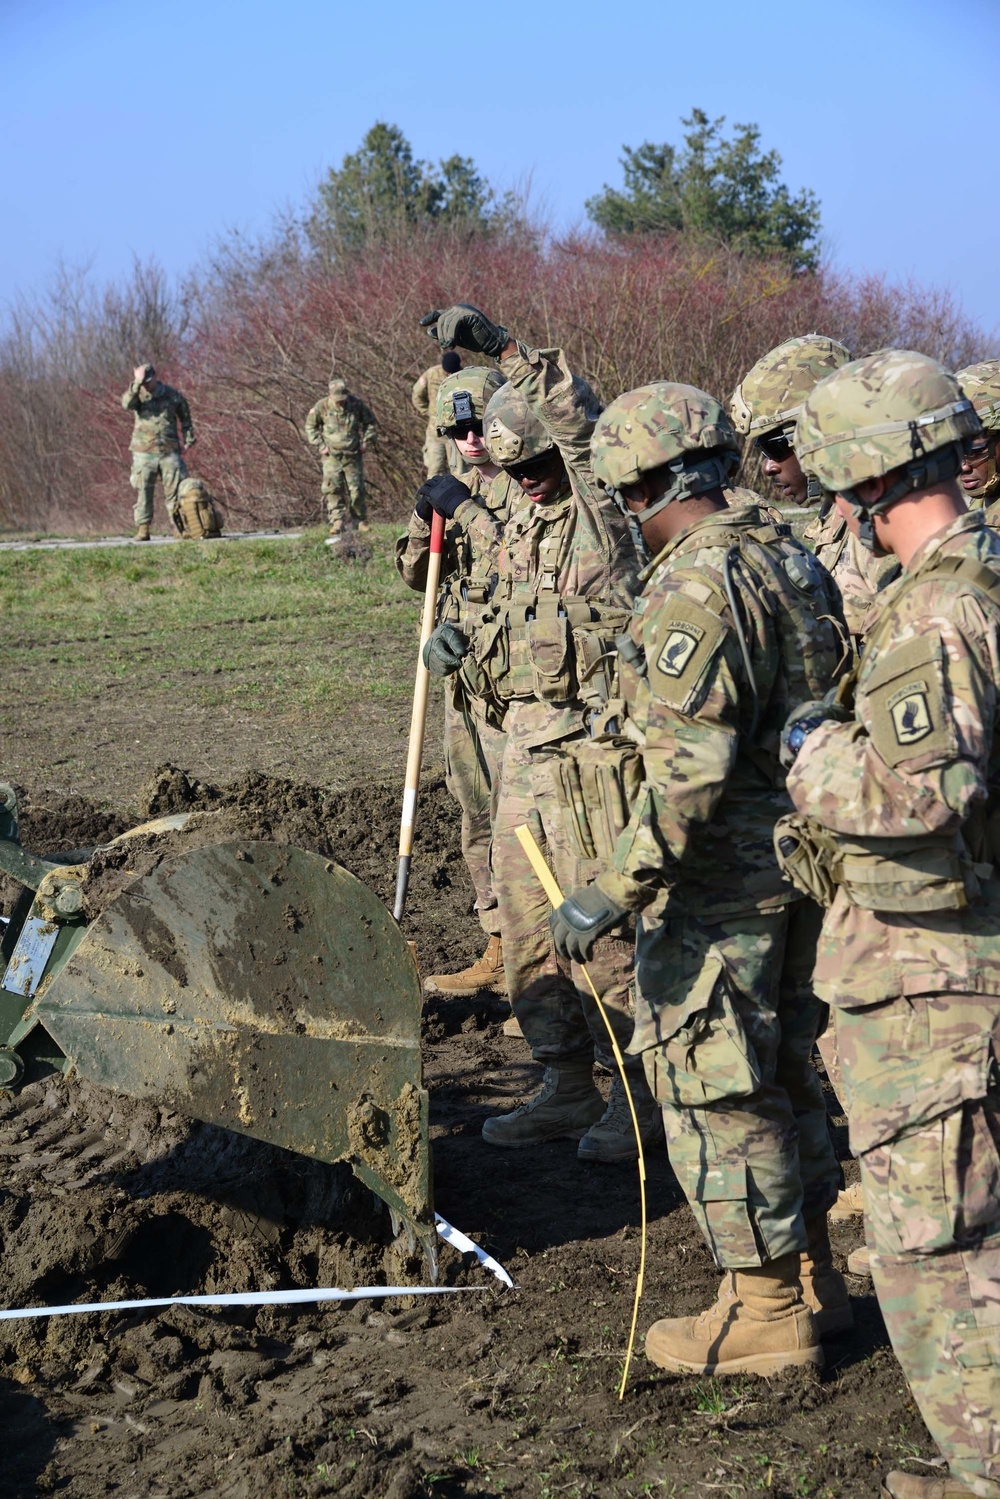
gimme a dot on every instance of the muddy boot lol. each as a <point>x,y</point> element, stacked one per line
<point>760,1325</point>
<point>363,528</point>
<point>912,1486</point>
<point>824,1289</point>
<point>485,973</point>
<point>612,1138</point>
<point>859,1261</point>
<point>850,1203</point>
<point>565,1106</point>
<point>512,1027</point>
<point>143,532</point>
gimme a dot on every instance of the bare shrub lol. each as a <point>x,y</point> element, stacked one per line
<point>259,328</point>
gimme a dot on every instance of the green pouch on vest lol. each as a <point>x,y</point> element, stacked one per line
<point>596,783</point>
<point>550,650</point>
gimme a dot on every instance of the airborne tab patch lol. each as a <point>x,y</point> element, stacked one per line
<point>679,647</point>
<point>910,713</point>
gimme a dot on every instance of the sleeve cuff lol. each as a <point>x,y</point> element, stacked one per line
<point>625,892</point>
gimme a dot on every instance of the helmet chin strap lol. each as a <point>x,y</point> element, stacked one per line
<point>922,472</point>
<point>688,479</point>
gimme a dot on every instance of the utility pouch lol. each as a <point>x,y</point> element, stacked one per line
<point>596,783</point>
<point>804,856</point>
<point>549,643</point>
<point>595,651</point>
<point>704,1054</point>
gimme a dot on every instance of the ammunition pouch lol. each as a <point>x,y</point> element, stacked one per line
<point>596,784</point>
<point>878,874</point>
<point>551,647</point>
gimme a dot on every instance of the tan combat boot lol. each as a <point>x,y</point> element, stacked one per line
<point>485,973</point>
<point>850,1204</point>
<point>363,527</point>
<point>912,1486</point>
<point>859,1261</point>
<point>143,532</point>
<point>566,1105</point>
<point>760,1325</point>
<point>824,1289</point>
<point>611,1141</point>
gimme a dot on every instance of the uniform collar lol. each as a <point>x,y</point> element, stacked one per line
<point>742,516</point>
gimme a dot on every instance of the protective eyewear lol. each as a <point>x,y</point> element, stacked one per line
<point>775,445</point>
<point>466,429</point>
<point>531,468</point>
<point>976,449</point>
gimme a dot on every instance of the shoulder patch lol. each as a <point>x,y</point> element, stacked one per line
<point>683,638</point>
<point>907,703</point>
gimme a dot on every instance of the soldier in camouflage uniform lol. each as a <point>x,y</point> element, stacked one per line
<point>440,455</point>
<point>159,411</point>
<point>473,741</point>
<point>764,406</point>
<point>896,829</point>
<point>980,476</point>
<point>737,623</point>
<point>342,427</point>
<point>565,574</point>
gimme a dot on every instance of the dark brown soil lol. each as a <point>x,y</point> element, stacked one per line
<point>487,1393</point>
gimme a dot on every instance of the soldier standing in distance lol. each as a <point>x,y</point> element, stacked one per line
<point>897,832</point>
<point>737,623</point>
<point>764,406</point>
<point>159,410</point>
<point>564,575</point>
<point>473,738</point>
<point>342,427</point>
<point>980,476</point>
<point>440,455</point>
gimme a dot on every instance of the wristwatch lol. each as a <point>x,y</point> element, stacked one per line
<point>799,733</point>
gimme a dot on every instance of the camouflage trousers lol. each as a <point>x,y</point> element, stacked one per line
<point>145,467</point>
<point>726,1020</point>
<point>549,995</point>
<point>344,489</point>
<point>472,755</point>
<point>924,1110</point>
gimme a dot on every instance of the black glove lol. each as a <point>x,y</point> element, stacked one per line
<point>804,719</point>
<point>583,917</point>
<point>444,493</point>
<point>423,508</point>
<point>467,326</point>
<point>445,650</point>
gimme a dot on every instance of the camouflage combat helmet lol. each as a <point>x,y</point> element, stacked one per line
<point>338,387</point>
<point>476,384</point>
<point>771,395</point>
<point>512,432</point>
<point>666,426</point>
<point>981,383</point>
<point>896,409</point>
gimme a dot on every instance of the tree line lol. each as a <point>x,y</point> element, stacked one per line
<point>696,264</point>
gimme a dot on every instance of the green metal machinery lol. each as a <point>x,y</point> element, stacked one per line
<point>248,984</point>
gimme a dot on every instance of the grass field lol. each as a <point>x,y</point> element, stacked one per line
<point>259,651</point>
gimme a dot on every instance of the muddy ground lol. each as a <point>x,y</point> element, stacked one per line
<point>491,1392</point>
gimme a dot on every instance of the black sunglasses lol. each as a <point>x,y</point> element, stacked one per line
<point>775,445</point>
<point>466,429</point>
<point>531,467</point>
<point>975,448</point>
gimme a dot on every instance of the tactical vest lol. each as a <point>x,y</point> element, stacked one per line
<point>933,873</point>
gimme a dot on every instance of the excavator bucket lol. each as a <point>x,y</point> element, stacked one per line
<point>251,985</point>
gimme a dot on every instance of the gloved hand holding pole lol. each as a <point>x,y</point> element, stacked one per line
<point>418,718</point>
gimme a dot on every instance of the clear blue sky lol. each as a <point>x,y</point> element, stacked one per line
<point>152,130</point>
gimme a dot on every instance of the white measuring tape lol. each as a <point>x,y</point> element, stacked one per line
<point>451,1236</point>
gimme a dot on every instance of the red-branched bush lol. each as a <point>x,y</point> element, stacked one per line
<point>268,325</point>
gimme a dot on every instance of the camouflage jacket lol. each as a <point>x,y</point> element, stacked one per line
<point>701,831</point>
<point>340,428</point>
<point>573,555</point>
<point>424,396</point>
<point>158,414</point>
<point>857,572</point>
<point>918,769</point>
